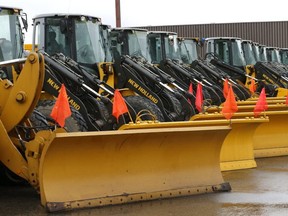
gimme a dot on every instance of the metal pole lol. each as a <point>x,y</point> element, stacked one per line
<point>118,13</point>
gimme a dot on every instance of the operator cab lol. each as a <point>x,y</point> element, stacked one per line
<point>12,20</point>
<point>129,41</point>
<point>189,49</point>
<point>227,49</point>
<point>82,38</point>
<point>163,45</point>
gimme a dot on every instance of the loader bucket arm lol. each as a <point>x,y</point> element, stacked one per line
<point>128,78</point>
<point>17,102</point>
<point>87,169</point>
<point>22,95</point>
<point>265,71</point>
<point>156,82</point>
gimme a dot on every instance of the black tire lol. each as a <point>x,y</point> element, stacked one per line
<point>172,106</point>
<point>73,123</point>
<point>140,104</point>
<point>9,178</point>
<point>39,121</point>
<point>98,113</point>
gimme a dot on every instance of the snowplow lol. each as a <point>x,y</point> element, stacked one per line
<point>270,139</point>
<point>228,54</point>
<point>86,169</point>
<point>231,158</point>
<point>144,160</point>
<point>245,107</point>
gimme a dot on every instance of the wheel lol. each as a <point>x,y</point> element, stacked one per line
<point>98,113</point>
<point>73,123</point>
<point>172,105</point>
<point>7,177</point>
<point>144,107</point>
<point>38,120</point>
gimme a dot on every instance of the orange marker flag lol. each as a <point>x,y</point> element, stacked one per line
<point>61,109</point>
<point>190,90</point>
<point>119,105</point>
<point>252,86</point>
<point>199,97</point>
<point>225,88</point>
<point>261,104</point>
<point>230,105</point>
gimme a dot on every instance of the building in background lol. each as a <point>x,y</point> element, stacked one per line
<point>266,33</point>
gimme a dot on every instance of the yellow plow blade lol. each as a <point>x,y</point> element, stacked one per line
<point>268,98</point>
<point>236,153</point>
<point>237,150</point>
<point>249,107</point>
<point>88,169</point>
<point>272,139</point>
<point>253,102</point>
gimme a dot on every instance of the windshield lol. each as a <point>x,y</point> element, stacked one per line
<point>263,53</point>
<point>104,33</point>
<point>172,50</point>
<point>248,53</point>
<point>155,49</point>
<point>188,50</point>
<point>137,44</point>
<point>11,39</point>
<point>273,55</point>
<point>89,45</point>
<point>256,52</point>
<point>230,52</point>
<point>284,56</point>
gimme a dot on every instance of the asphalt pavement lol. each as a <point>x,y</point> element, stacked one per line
<point>259,191</point>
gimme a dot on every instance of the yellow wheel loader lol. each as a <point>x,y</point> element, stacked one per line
<point>141,161</point>
<point>86,169</point>
<point>241,59</point>
<point>133,42</point>
<point>235,154</point>
<point>235,55</point>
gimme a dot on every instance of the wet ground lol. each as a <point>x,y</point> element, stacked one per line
<point>261,191</point>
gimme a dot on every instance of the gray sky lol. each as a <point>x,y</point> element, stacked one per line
<point>158,12</point>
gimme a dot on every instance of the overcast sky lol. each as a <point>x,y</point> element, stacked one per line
<point>159,12</point>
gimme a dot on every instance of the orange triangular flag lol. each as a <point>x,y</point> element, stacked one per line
<point>252,86</point>
<point>261,104</point>
<point>190,90</point>
<point>199,97</point>
<point>119,105</point>
<point>230,105</point>
<point>61,109</point>
<point>286,99</point>
<point>225,88</point>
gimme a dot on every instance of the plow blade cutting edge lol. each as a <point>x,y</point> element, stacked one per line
<point>87,169</point>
